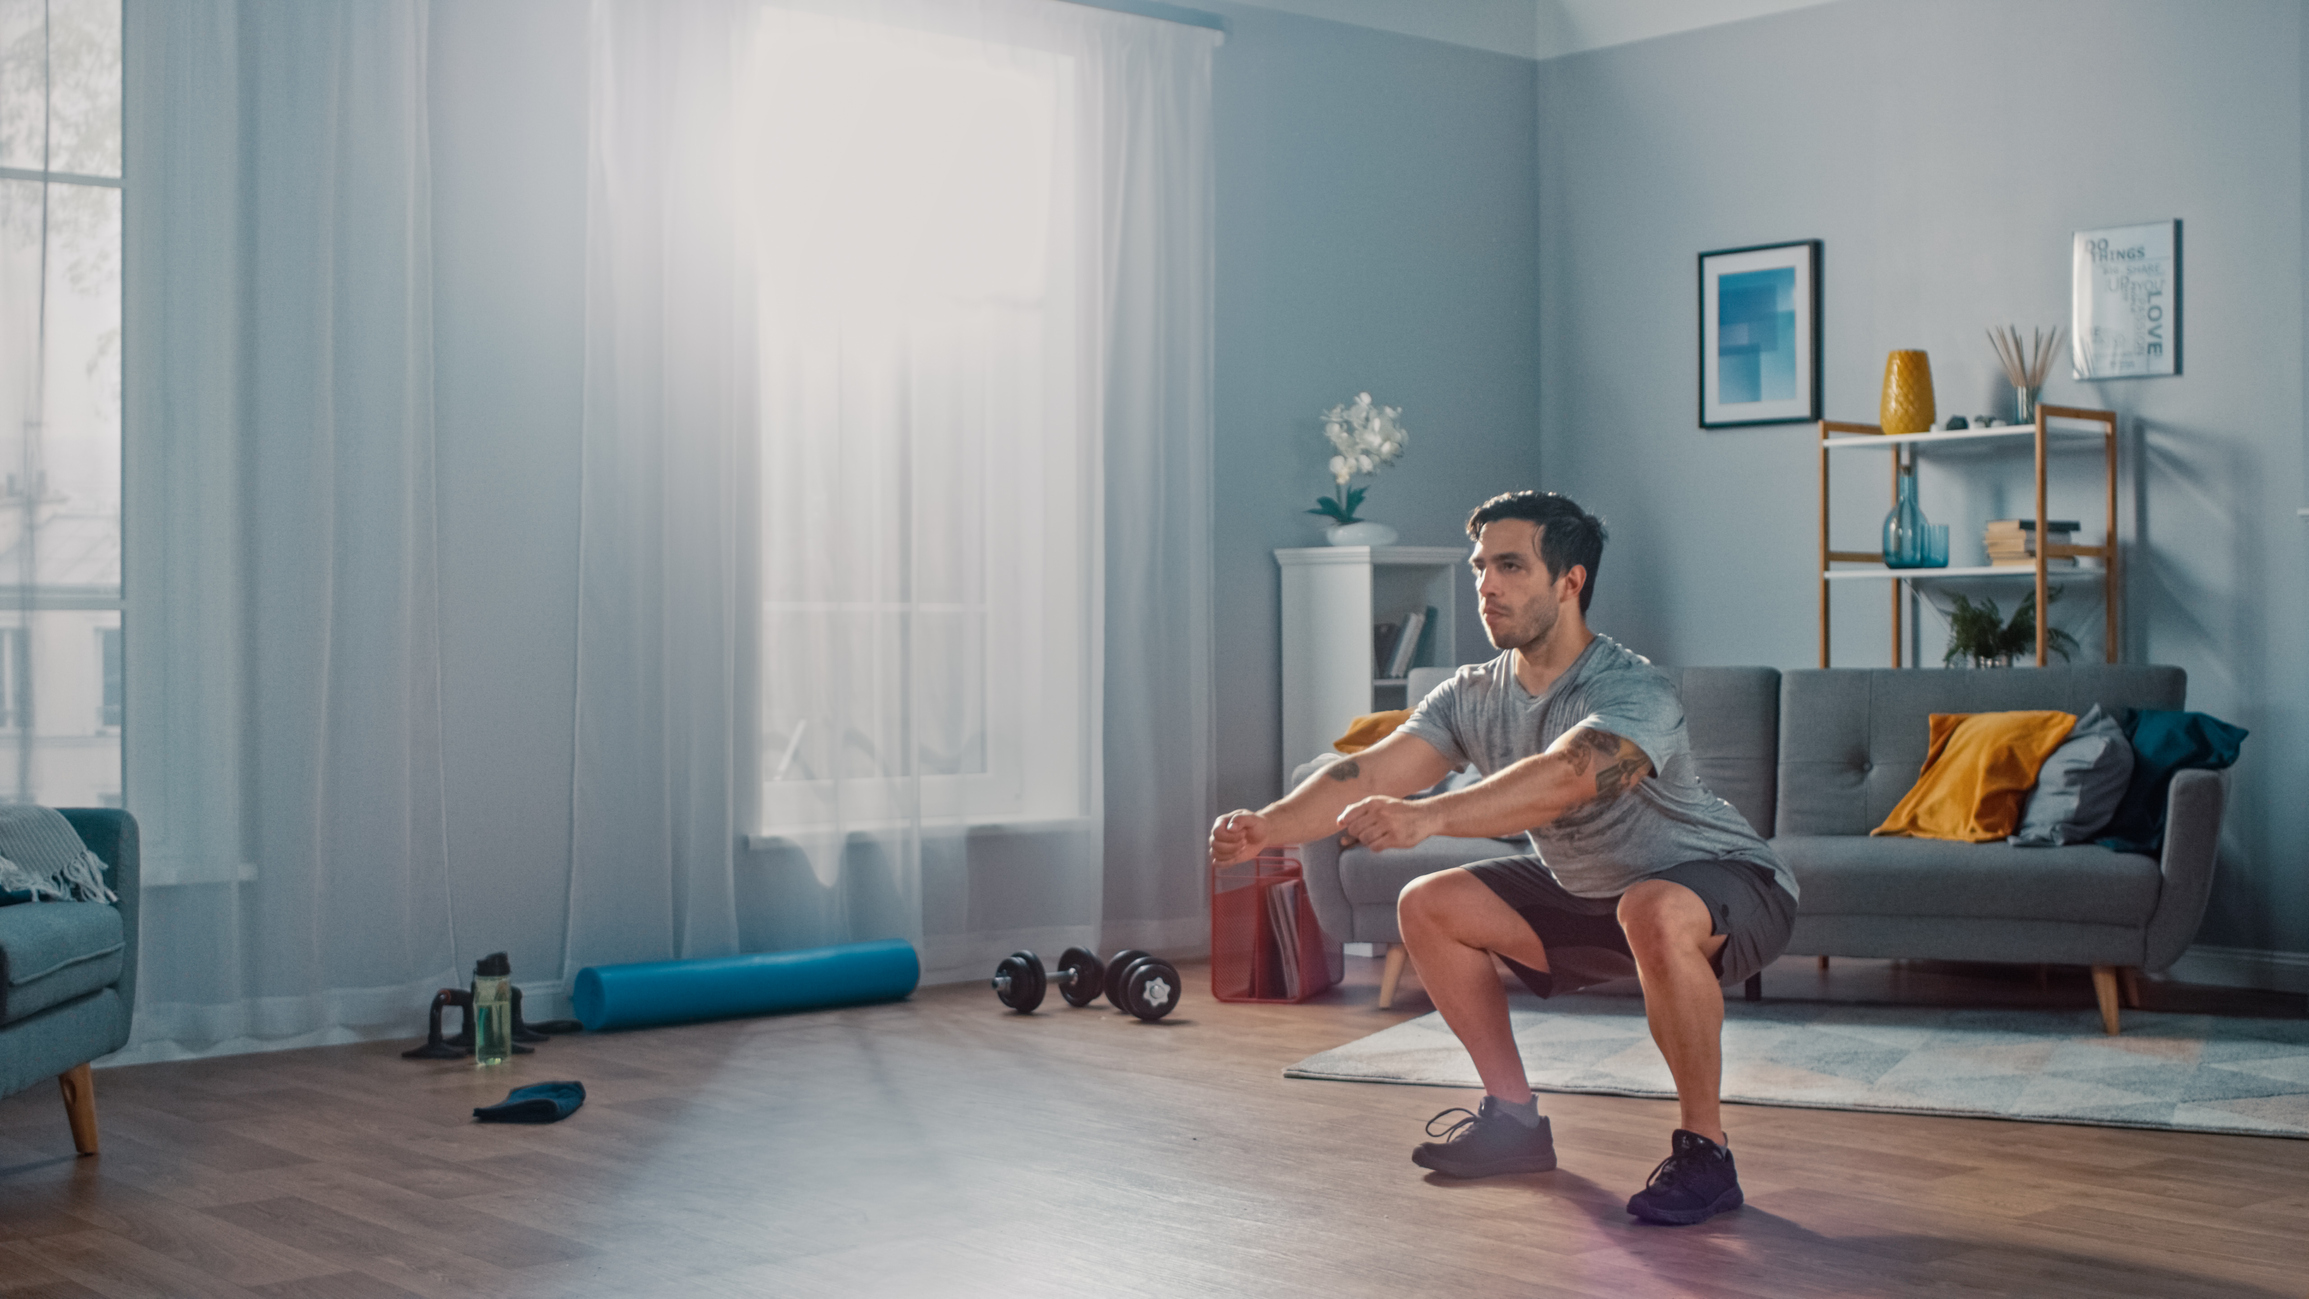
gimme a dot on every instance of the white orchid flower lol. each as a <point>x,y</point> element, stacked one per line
<point>1366,437</point>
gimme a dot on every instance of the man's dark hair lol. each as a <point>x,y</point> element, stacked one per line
<point>1569,535</point>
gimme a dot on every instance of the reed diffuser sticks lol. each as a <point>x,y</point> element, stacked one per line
<point>2026,364</point>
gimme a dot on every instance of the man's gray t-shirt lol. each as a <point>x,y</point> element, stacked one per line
<point>1484,716</point>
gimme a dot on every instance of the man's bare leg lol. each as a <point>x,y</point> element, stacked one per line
<point>1669,930</point>
<point>1452,923</point>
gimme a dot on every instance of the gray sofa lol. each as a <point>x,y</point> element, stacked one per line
<point>1815,758</point>
<point>68,976</point>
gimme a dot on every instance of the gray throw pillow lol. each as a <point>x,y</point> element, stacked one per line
<point>2080,785</point>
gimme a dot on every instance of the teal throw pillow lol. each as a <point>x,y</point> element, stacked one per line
<point>2165,741</point>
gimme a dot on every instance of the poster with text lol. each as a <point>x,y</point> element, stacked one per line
<point>2126,302</point>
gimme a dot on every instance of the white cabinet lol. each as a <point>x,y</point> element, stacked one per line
<point>1333,596</point>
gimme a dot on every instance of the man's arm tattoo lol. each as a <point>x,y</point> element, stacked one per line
<point>1602,742</point>
<point>1344,771</point>
<point>1626,770</point>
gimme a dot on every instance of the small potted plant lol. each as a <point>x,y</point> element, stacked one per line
<point>1365,438</point>
<point>1979,635</point>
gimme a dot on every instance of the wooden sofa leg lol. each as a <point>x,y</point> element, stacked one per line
<point>2105,987</point>
<point>2129,982</point>
<point>79,1089</point>
<point>1823,962</point>
<point>1391,974</point>
<point>1755,986</point>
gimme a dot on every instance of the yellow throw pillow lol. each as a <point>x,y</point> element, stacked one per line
<point>1977,775</point>
<point>1369,729</point>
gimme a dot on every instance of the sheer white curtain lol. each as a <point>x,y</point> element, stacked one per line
<point>897,416</point>
<point>284,749</point>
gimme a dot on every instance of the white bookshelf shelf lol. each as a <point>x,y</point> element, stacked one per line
<point>1880,573</point>
<point>2061,433</point>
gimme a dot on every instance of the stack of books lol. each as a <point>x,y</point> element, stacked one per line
<point>1397,646</point>
<point>2013,542</point>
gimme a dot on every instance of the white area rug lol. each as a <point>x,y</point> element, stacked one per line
<point>2196,1073</point>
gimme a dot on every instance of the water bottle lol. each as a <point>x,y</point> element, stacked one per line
<point>492,1009</point>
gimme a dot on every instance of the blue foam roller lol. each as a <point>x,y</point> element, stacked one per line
<point>726,987</point>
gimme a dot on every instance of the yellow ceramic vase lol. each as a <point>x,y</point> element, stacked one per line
<point>1907,404</point>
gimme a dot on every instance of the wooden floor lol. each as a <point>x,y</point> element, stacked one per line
<point>944,1147</point>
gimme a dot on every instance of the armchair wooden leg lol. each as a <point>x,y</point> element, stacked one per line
<point>1823,962</point>
<point>79,1089</point>
<point>2105,987</point>
<point>1755,986</point>
<point>1391,974</point>
<point>2129,981</point>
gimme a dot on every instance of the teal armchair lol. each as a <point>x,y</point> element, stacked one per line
<point>68,976</point>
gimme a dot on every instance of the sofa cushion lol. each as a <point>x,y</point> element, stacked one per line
<point>51,952</point>
<point>1977,774</point>
<point>2082,883</point>
<point>1852,739</point>
<point>1732,717</point>
<point>2080,786</point>
<point>2165,742</point>
<point>1374,878</point>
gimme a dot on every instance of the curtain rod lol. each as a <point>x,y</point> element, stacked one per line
<point>1168,13</point>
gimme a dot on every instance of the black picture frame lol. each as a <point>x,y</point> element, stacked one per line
<point>1769,372</point>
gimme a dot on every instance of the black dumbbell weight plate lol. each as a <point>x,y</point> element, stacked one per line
<point>1022,972</point>
<point>1089,977</point>
<point>1115,966</point>
<point>1150,988</point>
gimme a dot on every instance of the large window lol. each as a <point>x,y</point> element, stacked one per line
<point>60,86</point>
<point>928,528</point>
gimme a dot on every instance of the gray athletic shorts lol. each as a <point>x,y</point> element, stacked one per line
<point>1585,944</point>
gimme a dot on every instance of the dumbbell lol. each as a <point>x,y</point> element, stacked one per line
<point>1019,981</point>
<point>1115,965</point>
<point>1145,985</point>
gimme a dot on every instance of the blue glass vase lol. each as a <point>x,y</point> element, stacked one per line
<point>1907,536</point>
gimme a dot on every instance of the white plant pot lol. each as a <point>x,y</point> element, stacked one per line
<point>1365,533</point>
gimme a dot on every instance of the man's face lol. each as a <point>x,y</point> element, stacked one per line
<point>1520,604</point>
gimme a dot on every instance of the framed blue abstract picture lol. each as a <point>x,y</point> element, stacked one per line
<point>1760,335</point>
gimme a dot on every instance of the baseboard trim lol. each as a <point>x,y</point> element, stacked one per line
<point>1186,938</point>
<point>2242,967</point>
<point>960,958</point>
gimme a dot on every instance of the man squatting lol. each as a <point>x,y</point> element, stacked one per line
<point>1581,747</point>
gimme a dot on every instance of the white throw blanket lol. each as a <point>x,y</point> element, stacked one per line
<point>40,854</point>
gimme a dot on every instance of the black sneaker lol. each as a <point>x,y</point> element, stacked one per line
<point>1693,1184</point>
<point>1486,1143</point>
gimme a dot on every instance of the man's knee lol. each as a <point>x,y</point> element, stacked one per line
<point>1446,901</point>
<point>1661,916</point>
<point>1424,900</point>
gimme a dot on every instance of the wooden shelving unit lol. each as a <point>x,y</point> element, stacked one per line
<point>1866,565</point>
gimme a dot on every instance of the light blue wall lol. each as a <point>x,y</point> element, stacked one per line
<point>1377,231</point>
<point>1945,151</point>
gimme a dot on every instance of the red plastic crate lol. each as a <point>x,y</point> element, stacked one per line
<point>1260,912</point>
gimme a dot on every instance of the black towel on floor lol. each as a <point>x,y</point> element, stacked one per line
<point>545,1102</point>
